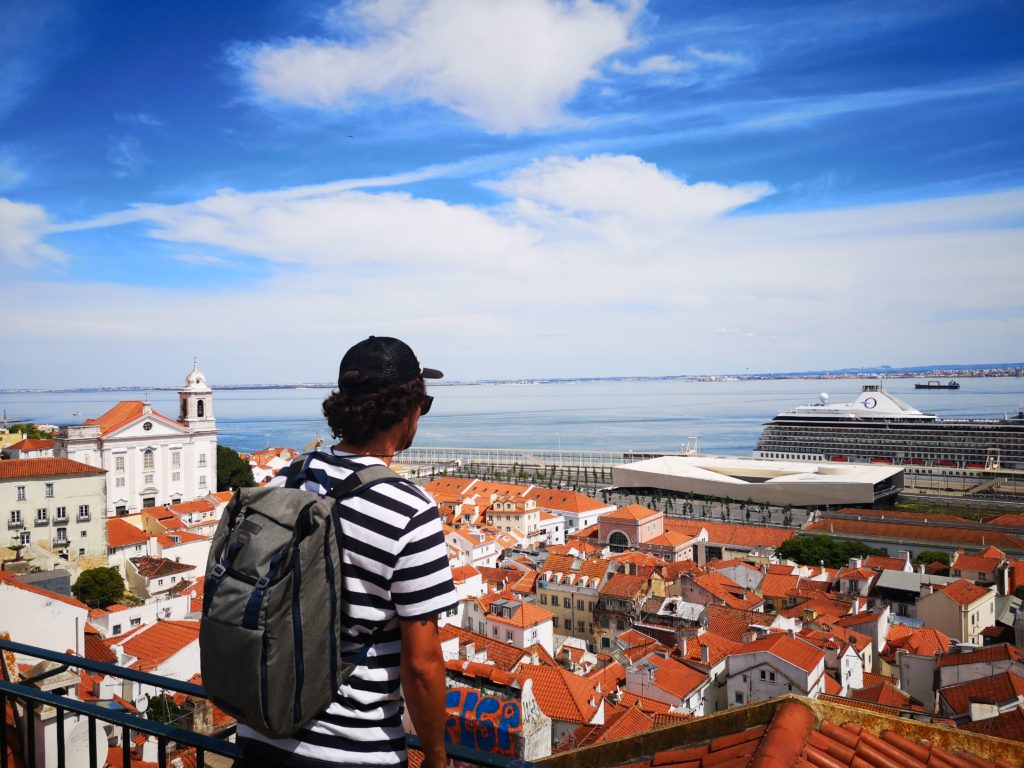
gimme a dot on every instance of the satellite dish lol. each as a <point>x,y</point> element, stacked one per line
<point>76,746</point>
<point>824,397</point>
<point>142,702</point>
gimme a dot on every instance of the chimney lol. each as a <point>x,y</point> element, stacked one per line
<point>683,645</point>
<point>705,655</point>
<point>920,569</point>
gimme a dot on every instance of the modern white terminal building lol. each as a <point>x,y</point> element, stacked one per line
<point>774,482</point>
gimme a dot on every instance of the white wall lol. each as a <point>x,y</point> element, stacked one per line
<point>47,622</point>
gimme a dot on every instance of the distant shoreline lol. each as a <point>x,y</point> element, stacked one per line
<point>993,370</point>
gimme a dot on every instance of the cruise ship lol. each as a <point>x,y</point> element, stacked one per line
<point>880,428</point>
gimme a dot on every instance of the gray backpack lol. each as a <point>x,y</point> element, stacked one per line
<point>272,604</point>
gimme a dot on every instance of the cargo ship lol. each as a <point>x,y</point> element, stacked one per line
<point>937,385</point>
<point>880,428</point>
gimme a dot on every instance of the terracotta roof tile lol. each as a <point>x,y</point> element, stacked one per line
<point>154,644</point>
<point>797,652</point>
<point>1006,725</point>
<point>12,469</point>
<point>123,413</point>
<point>964,592</point>
<point>157,567</point>
<point>986,655</point>
<point>121,533</point>
<point>894,531</point>
<point>33,444</point>
<point>564,501</point>
<point>996,689</point>
<point>562,695</point>
<point>632,513</point>
<point>9,579</point>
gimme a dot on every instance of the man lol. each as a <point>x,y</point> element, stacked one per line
<point>396,575</point>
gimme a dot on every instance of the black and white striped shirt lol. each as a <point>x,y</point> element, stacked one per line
<point>395,565</point>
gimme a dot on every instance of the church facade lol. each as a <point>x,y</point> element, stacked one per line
<point>151,459</point>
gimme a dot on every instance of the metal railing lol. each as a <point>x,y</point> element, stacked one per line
<point>217,743</point>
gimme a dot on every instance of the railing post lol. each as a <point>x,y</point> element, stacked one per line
<point>61,758</point>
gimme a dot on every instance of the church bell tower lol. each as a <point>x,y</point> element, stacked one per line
<point>196,399</point>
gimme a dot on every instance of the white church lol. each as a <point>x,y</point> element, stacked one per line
<point>151,459</point>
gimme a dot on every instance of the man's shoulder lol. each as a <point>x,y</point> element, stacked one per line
<point>323,470</point>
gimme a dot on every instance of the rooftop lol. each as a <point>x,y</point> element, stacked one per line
<point>12,469</point>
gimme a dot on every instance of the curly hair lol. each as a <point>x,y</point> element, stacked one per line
<point>358,412</point>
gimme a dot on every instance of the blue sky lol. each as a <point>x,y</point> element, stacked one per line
<point>517,187</point>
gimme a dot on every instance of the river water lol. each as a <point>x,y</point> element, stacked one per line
<point>648,415</point>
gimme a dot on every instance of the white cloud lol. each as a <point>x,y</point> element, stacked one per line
<point>22,228</point>
<point>202,260</point>
<point>125,152</point>
<point>662,64</point>
<point>720,58</point>
<point>10,175</point>
<point>509,65</point>
<point>140,118</point>
<point>623,186</point>
<point>603,265</point>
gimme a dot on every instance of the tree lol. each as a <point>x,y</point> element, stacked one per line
<point>99,587</point>
<point>926,556</point>
<point>835,553</point>
<point>232,470</point>
<point>30,431</point>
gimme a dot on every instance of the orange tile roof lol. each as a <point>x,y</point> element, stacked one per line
<point>904,532</point>
<point>1012,520</point>
<point>739,535</point>
<point>123,534</point>
<point>995,689</point>
<point>672,539</point>
<point>978,563</point>
<point>921,641</point>
<point>1006,725</point>
<point>562,695</point>
<point>727,590</point>
<point>624,586</point>
<point>33,444</point>
<point>13,469</point>
<point>882,563</point>
<point>187,507</point>
<point>963,592</point>
<point>986,655</point>
<point>183,537</point>
<point>502,655</point>
<point>10,580</point>
<point>155,644</point>
<point>674,677</point>
<point>718,647</point>
<point>621,724</point>
<point>157,567</point>
<point>124,413</point>
<point>797,652</point>
<point>732,623</point>
<point>886,694</point>
<point>777,585</point>
<point>632,513</point>
<point>525,614</point>
<point>564,501</point>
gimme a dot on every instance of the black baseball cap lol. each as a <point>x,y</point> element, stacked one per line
<point>385,362</point>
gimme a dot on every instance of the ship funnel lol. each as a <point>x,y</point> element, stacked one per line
<point>824,397</point>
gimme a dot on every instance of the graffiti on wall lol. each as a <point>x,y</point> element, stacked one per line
<point>480,721</point>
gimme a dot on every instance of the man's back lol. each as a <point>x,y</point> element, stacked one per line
<point>394,567</point>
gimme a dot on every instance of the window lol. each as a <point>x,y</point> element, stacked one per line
<point>25,537</point>
<point>116,629</point>
<point>119,482</point>
<point>147,426</point>
<point>21,492</point>
<point>176,459</point>
<point>739,697</point>
<point>83,534</point>
<point>567,624</point>
<point>48,490</point>
<point>15,517</point>
<point>764,675</point>
<point>202,459</point>
<point>159,582</point>
<point>135,621</point>
<point>147,459</point>
<point>508,634</point>
<point>200,409</point>
<point>62,535</point>
<point>566,602</point>
<point>83,511</point>
<point>579,626</point>
<point>147,479</point>
<point>494,631</point>
<point>149,502</point>
<point>579,605</point>
<point>202,481</point>
<point>61,513</point>
<point>119,463</point>
<point>175,476</point>
<point>121,509</point>
<point>543,598</point>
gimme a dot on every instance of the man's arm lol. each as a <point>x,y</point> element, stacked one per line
<point>422,675</point>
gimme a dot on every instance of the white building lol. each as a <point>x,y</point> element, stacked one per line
<point>57,505</point>
<point>36,616</point>
<point>151,459</point>
<point>774,666</point>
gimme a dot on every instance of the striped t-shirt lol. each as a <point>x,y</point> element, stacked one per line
<point>395,565</point>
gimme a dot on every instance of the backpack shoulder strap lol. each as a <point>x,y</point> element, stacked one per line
<point>362,479</point>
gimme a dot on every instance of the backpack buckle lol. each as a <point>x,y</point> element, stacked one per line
<point>263,582</point>
<point>218,570</point>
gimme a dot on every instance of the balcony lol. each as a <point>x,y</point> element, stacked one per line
<point>41,522</point>
<point>14,525</point>
<point>83,517</point>
<point>59,543</point>
<point>208,747</point>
